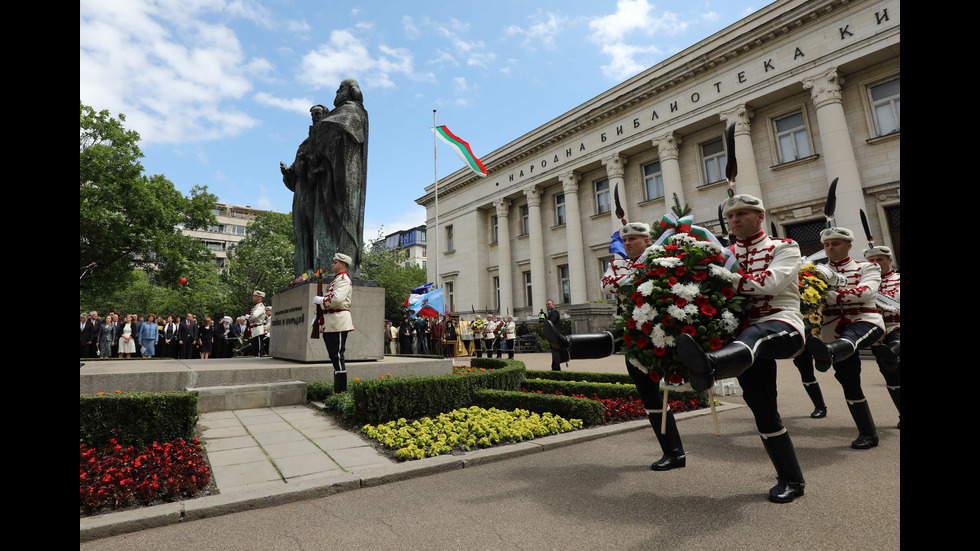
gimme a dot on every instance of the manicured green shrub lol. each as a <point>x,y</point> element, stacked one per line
<point>136,418</point>
<point>590,412</point>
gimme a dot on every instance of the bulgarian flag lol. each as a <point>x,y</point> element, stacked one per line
<point>462,149</point>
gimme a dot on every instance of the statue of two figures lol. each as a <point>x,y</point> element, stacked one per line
<point>328,179</point>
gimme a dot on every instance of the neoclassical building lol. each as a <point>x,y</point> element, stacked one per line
<point>813,89</point>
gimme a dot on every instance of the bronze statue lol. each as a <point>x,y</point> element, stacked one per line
<point>329,183</point>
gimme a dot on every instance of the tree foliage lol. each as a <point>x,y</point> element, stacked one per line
<point>128,220</point>
<point>385,266</point>
<point>263,260</point>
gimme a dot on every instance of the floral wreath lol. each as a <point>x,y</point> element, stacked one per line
<point>812,289</point>
<point>684,283</point>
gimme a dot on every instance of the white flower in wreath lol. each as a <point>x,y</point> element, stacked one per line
<point>719,272</point>
<point>668,261</point>
<point>646,288</point>
<point>728,321</point>
<point>661,339</point>
<point>677,312</point>
<point>645,313</point>
<point>686,290</point>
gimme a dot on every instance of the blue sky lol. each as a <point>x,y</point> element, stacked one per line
<point>220,90</point>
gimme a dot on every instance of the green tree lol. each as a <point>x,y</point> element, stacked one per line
<point>263,260</point>
<point>127,219</point>
<point>384,265</point>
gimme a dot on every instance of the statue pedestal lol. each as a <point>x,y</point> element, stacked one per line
<point>592,317</point>
<point>293,311</point>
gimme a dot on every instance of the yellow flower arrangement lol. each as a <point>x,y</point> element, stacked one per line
<point>811,298</point>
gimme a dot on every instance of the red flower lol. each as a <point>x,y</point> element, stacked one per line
<point>699,275</point>
<point>715,343</point>
<point>658,351</point>
<point>628,340</point>
<point>675,379</point>
<point>690,330</point>
<point>642,343</point>
<point>672,280</point>
<point>631,323</point>
<point>680,302</point>
<point>654,376</point>
<point>646,327</point>
<point>708,310</point>
<point>727,292</point>
<point>680,271</point>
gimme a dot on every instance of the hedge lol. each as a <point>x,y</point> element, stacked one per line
<point>136,418</point>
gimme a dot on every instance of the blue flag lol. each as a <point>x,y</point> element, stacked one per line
<point>616,246</point>
<point>431,305</point>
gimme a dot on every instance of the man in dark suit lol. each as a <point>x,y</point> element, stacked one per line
<point>555,318</point>
<point>86,336</point>
<point>93,350</point>
<point>187,333</point>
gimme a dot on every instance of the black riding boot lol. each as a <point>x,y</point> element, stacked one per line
<point>896,393</point>
<point>584,346</point>
<point>868,434</point>
<point>888,356</point>
<point>825,354</point>
<point>674,455</point>
<point>813,391</point>
<point>790,483</point>
<point>704,368</point>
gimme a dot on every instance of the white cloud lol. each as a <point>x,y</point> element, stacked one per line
<point>166,66</point>
<point>346,56</point>
<point>544,31</point>
<point>296,105</point>
<point>613,32</point>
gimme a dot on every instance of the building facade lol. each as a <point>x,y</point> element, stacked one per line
<point>813,89</point>
<point>412,242</point>
<point>229,230</point>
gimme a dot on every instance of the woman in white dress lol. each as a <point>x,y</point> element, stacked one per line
<point>127,340</point>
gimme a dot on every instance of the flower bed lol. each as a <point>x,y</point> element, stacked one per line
<point>117,476</point>
<point>464,429</point>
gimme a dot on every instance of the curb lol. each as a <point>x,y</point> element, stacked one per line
<point>125,522</point>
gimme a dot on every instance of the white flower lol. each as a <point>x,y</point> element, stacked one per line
<point>645,288</point>
<point>667,262</point>
<point>644,313</point>
<point>728,321</point>
<point>677,313</point>
<point>691,310</point>
<point>719,272</point>
<point>686,290</point>
<point>660,339</point>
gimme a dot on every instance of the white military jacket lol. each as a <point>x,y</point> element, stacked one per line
<point>489,329</point>
<point>853,302</point>
<point>891,287</point>
<point>770,278</point>
<point>510,331</point>
<point>336,305</point>
<point>256,320</point>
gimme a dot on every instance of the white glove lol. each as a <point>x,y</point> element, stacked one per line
<point>834,280</point>
<point>318,301</point>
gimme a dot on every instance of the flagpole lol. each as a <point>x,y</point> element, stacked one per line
<point>435,181</point>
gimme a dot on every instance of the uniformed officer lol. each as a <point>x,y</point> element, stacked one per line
<point>636,239</point>
<point>510,333</point>
<point>769,277</point>
<point>336,322</point>
<point>256,323</point>
<point>850,322</point>
<point>888,351</point>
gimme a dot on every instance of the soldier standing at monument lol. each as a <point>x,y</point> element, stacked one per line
<point>335,323</point>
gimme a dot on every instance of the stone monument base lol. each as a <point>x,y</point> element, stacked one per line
<point>592,317</point>
<point>292,315</point>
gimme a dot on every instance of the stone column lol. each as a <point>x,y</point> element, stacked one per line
<point>838,154</point>
<point>615,167</point>
<point>747,177</point>
<point>573,236</point>
<point>667,148</point>
<point>504,263</point>
<point>538,276</point>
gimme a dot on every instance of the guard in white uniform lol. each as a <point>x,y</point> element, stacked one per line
<point>335,322</point>
<point>850,321</point>
<point>636,239</point>
<point>769,277</point>
<point>256,323</point>
<point>510,333</point>
<point>888,352</point>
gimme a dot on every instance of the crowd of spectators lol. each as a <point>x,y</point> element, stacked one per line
<point>121,335</point>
